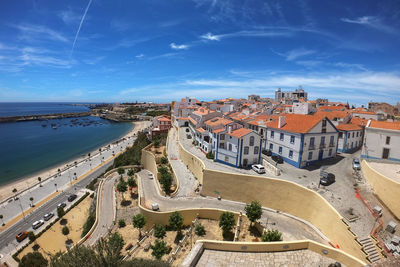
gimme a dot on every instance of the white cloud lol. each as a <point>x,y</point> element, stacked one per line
<point>178,47</point>
<point>69,17</point>
<point>139,56</point>
<point>211,37</point>
<point>373,22</point>
<point>295,53</point>
<point>39,32</point>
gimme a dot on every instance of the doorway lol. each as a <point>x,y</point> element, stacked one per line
<point>385,154</point>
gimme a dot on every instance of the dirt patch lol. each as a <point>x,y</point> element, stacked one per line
<point>53,241</point>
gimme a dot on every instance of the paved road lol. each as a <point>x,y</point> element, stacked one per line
<point>291,228</point>
<point>8,243</point>
<point>187,182</point>
<point>106,210</point>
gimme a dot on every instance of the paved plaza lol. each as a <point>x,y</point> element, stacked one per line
<point>211,258</point>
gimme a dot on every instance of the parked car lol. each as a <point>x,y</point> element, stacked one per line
<point>48,216</point>
<point>150,176</point>
<point>37,224</point>
<point>62,205</point>
<point>155,206</point>
<point>327,179</point>
<point>356,164</point>
<point>21,236</point>
<point>277,159</point>
<point>188,136</point>
<point>72,197</point>
<point>258,168</point>
<point>267,152</point>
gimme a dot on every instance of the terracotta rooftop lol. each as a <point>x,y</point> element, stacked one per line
<point>296,123</point>
<point>240,132</point>
<point>200,130</point>
<point>193,121</point>
<point>348,127</point>
<point>364,112</point>
<point>183,119</point>
<point>329,108</point>
<point>332,114</point>
<point>203,111</point>
<point>217,121</point>
<point>359,121</point>
<point>219,130</point>
<point>395,125</point>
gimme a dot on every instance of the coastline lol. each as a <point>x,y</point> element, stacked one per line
<point>26,182</point>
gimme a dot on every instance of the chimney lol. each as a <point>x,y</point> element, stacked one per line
<point>282,121</point>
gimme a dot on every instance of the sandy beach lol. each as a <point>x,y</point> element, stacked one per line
<point>22,184</point>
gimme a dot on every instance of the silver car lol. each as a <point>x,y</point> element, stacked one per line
<point>356,164</point>
<point>37,224</point>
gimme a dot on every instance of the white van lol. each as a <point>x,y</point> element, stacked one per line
<point>37,224</point>
<point>258,168</point>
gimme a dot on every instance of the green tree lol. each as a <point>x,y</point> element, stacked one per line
<point>253,211</point>
<point>159,231</point>
<point>121,223</point>
<point>121,170</point>
<point>131,172</point>
<point>163,169</point>
<point>159,249</point>
<point>60,212</point>
<point>176,221</point>
<point>65,230</point>
<point>122,187</point>
<point>166,182</point>
<point>132,182</point>
<point>31,236</point>
<point>139,221</point>
<point>227,221</point>
<point>33,259</point>
<point>199,230</point>
<point>164,160</point>
<point>133,154</point>
<point>271,236</point>
<point>109,250</point>
<point>156,142</point>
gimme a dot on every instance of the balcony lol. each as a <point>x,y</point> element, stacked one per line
<point>311,147</point>
<point>322,146</point>
<point>331,145</point>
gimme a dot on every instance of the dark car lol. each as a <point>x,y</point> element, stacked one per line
<point>267,152</point>
<point>327,179</point>
<point>72,197</point>
<point>277,159</point>
<point>21,236</point>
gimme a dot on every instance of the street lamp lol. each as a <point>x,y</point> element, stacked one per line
<point>69,175</point>
<point>20,205</point>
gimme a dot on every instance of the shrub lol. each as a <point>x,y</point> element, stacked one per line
<point>271,236</point>
<point>133,154</point>
<point>121,223</point>
<point>88,224</point>
<point>65,230</point>
<point>121,170</point>
<point>159,249</point>
<point>33,259</point>
<point>210,155</point>
<point>176,221</point>
<point>166,182</point>
<point>227,221</point>
<point>31,236</point>
<point>159,231</point>
<point>60,212</point>
<point>164,160</point>
<point>200,230</point>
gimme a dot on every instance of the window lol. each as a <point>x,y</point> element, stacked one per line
<point>271,146</point>
<point>261,132</point>
<point>222,137</point>
<point>251,140</point>
<point>348,135</point>
<point>292,138</point>
<point>280,150</point>
<point>226,159</point>
<point>322,140</point>
<point>215,135</point>
<point>353,134</point>
<point>323,123</point>
<point>340,134</point>
<point>332,139</point>
<point>388,140</point>
<point>230,147</point>
<point>246,150</point>
<point>357,134</point>
<point>272,134</point>
<point>281,137</point>
<point>290,153</point>
<point>309,155</point>
<point>255,150</point>
<point>330,152</point>
<point>222,145</point>
<point>312,139</point>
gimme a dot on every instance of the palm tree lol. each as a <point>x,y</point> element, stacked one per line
<point>40,181</point>
<point>31,199</point>
<point>14,190</point>
<point>75,175</point>
<point>1,217</point>
<point>56,187</point>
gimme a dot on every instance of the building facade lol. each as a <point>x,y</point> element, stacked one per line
<point>350,137</point>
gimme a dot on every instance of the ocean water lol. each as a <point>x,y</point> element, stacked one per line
<point>32,146</point>
<point>20,109</point>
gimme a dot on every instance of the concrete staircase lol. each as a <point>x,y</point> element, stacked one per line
<point>370,248</point>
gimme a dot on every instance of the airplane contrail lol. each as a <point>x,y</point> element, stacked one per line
<point>79,28</point>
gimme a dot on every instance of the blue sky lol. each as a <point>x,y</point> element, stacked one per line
<point>158,50</point>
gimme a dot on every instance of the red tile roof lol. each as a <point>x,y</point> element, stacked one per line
<point>359,121</point>
<point>219,130</point>
<point>193,121</point>
<point>217,121</point>
<point>183,119</point>
<point>348,127</point>
<point>332,114</point>
<point>296,123</point>
<point>364,112</point>
<point>200,130</point>
<point>203,111</point>
<point>240,132</point>
<point>395,125</point>
<point>331,108</point>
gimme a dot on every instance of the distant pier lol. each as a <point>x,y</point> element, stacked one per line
<point>45,117</point>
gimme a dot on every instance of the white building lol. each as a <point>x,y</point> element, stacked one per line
<point>381,140</point>
<point>238,148</point>
<point>301,139</point>
<point>350,137</point>
<point>302,108</point>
